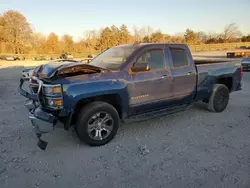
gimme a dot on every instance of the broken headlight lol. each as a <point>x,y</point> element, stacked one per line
<point>52,90</point>
<point>53,96</point>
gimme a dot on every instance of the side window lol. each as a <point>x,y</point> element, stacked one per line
<point>179,57</point>
<point>154,59</point>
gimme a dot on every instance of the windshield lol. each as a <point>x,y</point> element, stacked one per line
<point>114,57</point>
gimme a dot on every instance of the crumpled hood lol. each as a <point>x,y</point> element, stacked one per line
<point>61,69</point>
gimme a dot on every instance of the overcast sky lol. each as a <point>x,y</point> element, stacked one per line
<point>170,16</point>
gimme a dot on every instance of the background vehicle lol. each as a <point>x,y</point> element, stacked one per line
<point>39,58</point>
<point>88,59</point>
<point>91,56</point>
<point>42,58</point>
<point>66,56</point>
<point>11,58</point>
<point>3,57</point>
<point>20,58</point>
<point>238,54</point>
<point>126,82</point>
<point>246,64</point>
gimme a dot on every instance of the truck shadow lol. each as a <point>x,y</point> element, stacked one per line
<point>130,131</point>
<point>201,106</point>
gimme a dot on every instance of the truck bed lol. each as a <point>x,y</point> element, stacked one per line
<point>206,65</point>
<point>207,68</point>
<point>210,61</point>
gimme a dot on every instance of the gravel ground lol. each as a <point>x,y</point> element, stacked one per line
<point>192,149</point>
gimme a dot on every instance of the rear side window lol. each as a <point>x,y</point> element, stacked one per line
<point>179,57</point>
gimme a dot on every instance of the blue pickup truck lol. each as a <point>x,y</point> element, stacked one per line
<point>125,82</point>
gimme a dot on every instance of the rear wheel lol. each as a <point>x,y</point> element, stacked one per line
<point>97,123</point>
<point>219,98</point>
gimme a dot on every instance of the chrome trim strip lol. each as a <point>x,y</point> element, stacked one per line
<point>55,85</point>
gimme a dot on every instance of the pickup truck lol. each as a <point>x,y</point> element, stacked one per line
<point>126,82</point>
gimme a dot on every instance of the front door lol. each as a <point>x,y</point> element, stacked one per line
<point>149,87</point>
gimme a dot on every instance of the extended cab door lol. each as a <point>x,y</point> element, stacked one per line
<point>148,88</point>
<point>183,72</point>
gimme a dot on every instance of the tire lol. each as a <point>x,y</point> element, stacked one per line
<point>219,98</point>
<point>85,117</point>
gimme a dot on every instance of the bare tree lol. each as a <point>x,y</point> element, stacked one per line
<point>148,30</point>
<point>141,33</point>
<point>90,39</point>
<point>231,32</point>
<point>90,34</point>
<point>136,33</point>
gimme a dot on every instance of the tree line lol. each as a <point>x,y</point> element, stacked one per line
<point>17,36</point>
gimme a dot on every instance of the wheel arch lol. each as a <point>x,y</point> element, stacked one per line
<point>227,81</point>
<point>113,99</point>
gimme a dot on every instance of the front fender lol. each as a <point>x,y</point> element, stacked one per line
<point>79,91</point>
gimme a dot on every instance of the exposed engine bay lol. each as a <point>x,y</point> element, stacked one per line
<point>60,69</point>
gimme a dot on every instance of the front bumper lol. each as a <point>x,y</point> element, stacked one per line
<point>41,120</point>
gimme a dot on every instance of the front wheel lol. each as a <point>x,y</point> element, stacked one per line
<point>97,123</point>
<point>219,98</point>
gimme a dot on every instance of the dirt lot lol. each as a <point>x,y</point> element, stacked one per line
<point>195,148</point>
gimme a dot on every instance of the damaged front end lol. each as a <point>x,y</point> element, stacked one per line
<point>43,121</point>
<point>45,96</point>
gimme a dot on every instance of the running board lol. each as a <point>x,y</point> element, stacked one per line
<point>158,113</point>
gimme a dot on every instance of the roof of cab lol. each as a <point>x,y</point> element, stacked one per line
<point>150,44</point>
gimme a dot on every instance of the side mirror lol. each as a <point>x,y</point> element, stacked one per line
<point>140,67</point>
